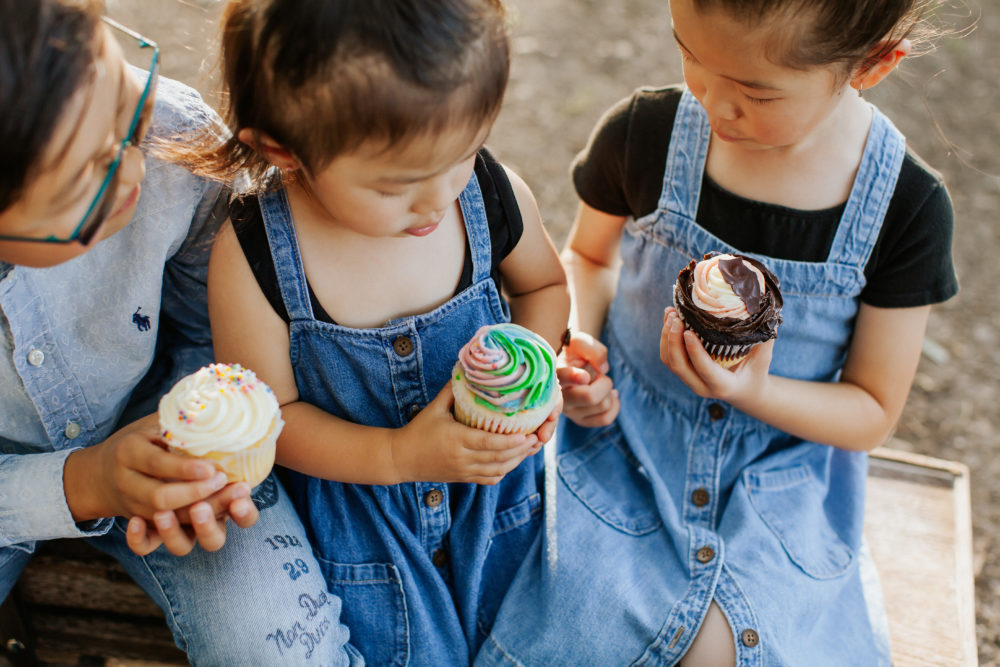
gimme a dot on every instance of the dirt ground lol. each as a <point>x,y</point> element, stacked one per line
<point>574,58</point>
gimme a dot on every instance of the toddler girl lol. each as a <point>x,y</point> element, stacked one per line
<point>718,520</point>
<point>374,245</point>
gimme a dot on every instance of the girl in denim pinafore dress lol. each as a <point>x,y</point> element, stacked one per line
<point>686,507</point>
<point>350,287</point>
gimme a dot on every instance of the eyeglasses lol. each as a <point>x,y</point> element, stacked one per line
<point>137,49</point>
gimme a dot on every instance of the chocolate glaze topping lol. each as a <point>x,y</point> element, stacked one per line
<point>764,309</point>
<point>744,283</point>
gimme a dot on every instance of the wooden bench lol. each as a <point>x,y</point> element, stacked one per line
<point>75,606</point>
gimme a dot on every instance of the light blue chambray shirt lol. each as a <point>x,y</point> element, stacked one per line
<point>77,339</point>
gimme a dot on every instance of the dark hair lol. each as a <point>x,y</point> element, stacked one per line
<point>847,32</point>
<point>322,77</point>
<point>47,52</point>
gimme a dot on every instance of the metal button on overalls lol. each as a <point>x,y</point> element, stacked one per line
<point>716,411</point>
<point>700,497</point>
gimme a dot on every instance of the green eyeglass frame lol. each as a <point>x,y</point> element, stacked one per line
<point>98,210</point>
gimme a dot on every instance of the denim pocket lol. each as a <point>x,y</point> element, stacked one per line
<point>514,529</point>
<point>373,609</point>
<point>791,504</point>
<point>606,478</point>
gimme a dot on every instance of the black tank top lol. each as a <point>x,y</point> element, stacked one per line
<point>503,217</point>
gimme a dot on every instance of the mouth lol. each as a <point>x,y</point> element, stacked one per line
<point>133,196</point>
<point>426,229</point>
<point>726,137</point>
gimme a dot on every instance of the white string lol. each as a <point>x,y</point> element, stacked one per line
<point>550,463</point>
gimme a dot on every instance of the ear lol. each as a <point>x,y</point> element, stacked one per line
<point>269,148</point>
<point>871,73</point>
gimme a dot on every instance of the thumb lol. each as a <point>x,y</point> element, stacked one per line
<point>443,401</point>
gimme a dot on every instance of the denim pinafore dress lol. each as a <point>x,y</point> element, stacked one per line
<point>421,568</point>
<point>684,499</point>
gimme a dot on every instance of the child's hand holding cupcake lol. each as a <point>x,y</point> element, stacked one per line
<point>725,317</point>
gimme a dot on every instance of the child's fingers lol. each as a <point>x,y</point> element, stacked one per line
<point>496,442</point>
<point>588,348</point>
<point>162,496</point>
<point>244,512</point>
<point>155,461</point>
<point>590,394</point>
<point>209,532</point>
<point>141,538</point>
<point>177,541</point>
<point>572,376</point>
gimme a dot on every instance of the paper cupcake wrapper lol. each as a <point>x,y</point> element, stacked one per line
<point>251,465</point>
<point>726,356</point>
<point>470,413</point>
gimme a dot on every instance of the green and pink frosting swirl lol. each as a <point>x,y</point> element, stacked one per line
<point>508,368</point>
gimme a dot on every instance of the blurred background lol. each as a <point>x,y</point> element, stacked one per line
<point>575,58</point>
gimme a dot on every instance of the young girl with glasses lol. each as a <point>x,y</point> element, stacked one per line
<point>377,236</point>
<point>717,519</point>
<point>104,248</point>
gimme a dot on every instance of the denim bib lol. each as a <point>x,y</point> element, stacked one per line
<point>421,567</point>
<point>684,499</point>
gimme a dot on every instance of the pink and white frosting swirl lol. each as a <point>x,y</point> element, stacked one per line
<point>713,293</point>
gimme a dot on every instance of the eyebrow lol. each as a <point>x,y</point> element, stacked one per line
<point>756,85</point>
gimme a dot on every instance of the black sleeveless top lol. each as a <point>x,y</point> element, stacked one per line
<point>503,217</point>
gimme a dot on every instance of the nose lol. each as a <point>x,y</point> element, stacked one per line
<point>132,169</point>
<point>719,103</point>
<point>435,195</point>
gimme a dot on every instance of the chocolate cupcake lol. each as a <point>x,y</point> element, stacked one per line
<point>732,302</point>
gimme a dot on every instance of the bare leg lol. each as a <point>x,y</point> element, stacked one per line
<point>714,645</point>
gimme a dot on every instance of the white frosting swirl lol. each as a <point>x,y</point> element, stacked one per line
<point>713,294</point>
<point>219,408</point>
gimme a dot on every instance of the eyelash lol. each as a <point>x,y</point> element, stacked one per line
<point>383,193</point>
<point>757,100</point>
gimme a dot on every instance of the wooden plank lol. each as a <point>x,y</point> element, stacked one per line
<point>65,638</point>
<point>918,527</point>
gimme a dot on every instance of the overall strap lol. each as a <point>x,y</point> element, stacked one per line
<point>477,229</point>
<point>873,187</point>
<point>686,158</point>
<point>288,267</point>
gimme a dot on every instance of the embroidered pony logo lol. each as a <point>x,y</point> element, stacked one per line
<point>141,321</point>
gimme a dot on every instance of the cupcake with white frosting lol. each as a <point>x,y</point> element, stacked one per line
<point>731,302</point>
<point>225,415</point>
<point>505,380</point>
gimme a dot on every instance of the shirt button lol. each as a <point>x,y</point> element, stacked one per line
<point>403,346</point>
<point>439,558</point>
<point>749,637</point>
<point>414,411</point>
<point>700,497</point>
<point>705,554</point>
<point>36,357</point>
<point>72,430</point>
<point>716,411</point>
<point>433,498</point>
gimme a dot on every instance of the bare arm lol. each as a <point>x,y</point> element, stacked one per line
<point>857,413</point>
<point>592,264</point>
<point>534,280</point>
<point>246,330</point>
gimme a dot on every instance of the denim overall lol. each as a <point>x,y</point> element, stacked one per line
<point>684,499</point>
<point>421,567</point>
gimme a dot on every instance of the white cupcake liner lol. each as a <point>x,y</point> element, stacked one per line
<point>470,413</point>
<point>252,464</point>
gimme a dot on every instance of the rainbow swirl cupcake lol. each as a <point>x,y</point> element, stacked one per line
<point>732,302</point>
<point>505,380</point>
<point>225,415</point>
